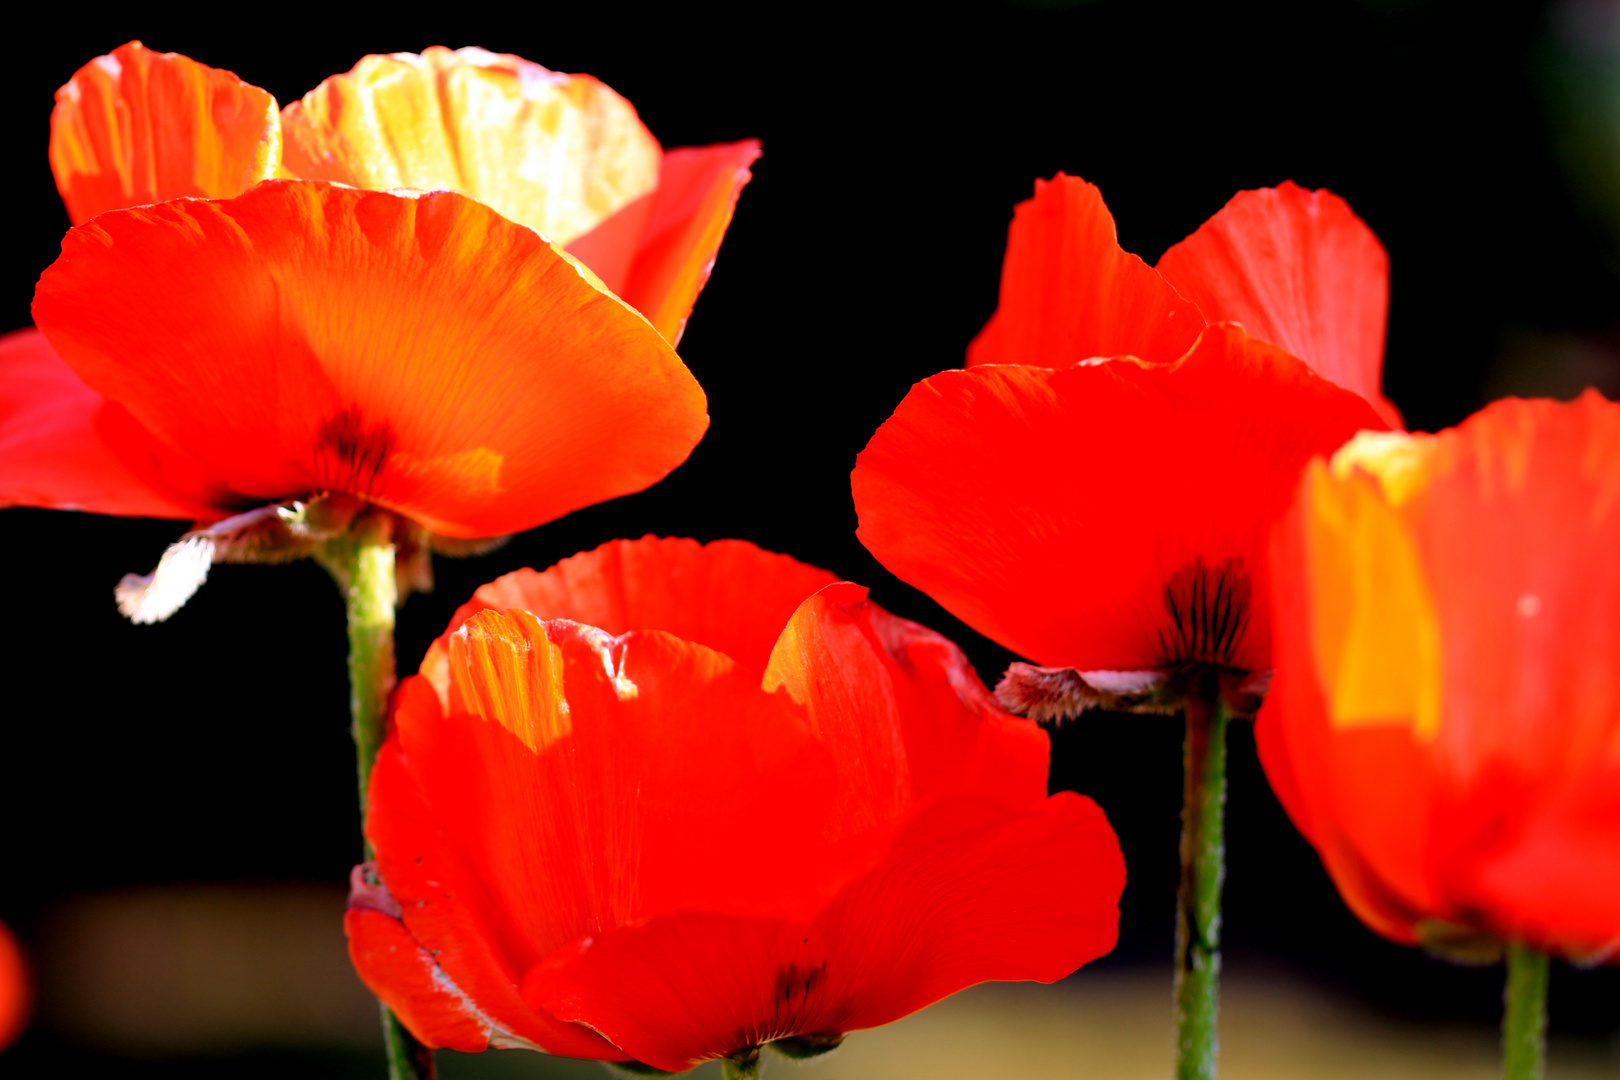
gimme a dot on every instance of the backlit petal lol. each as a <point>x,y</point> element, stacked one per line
<point>972,891</point>
<point>1109,516</point>
<point>558,153</point>
<point>448,912</point>
<point>564,766</point>
<point>137,126</point>
<point>687,219</point>
<point>403,975</point>
<point>728,595</point>
<point>425,353</point>
<point>64,446</point>
<point>1070,293</point>
<point>1471,779</point>
<point>1297,268</point>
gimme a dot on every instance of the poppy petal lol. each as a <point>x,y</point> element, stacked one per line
<point>137,126</point>
<point>558,153</point>
<point>1109,516</point>
<point>691,210</point>
<point>445,908</point>
<point>972,891</point>
<point>402,974</point>
<point>1070,293</point>
<point>64,446</point>
<point>549,723</point>
<point>422,352</point>
<point>728,595</point>
<point>1297,268</point>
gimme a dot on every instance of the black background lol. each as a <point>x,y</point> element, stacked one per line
<point>863,257</point>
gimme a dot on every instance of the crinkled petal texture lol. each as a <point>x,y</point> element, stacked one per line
<point>563,154</point>
<point>640,839</point>
<point>1109,515</point>
<point>1069,292</point>
<point>558,153</point>
<point>16,994</point>
<point>1444,725</point>
<point>422,352</point>
<point>64,446</point>
<point>137,126</point>
<point>1297,268</point>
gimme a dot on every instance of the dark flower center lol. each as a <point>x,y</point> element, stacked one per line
<point>1209,613</point>
<point>349,456</point>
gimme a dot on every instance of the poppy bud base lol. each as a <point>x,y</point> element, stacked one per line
<point>1198,899</point>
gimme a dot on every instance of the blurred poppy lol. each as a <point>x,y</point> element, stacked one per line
<point>16,996</point>
<point>423,353</point>
<point>1444,725</point>
<point>1094,491</point>
<point>670,802</point>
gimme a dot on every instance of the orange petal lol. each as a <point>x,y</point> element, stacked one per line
<point>1108,516</point>
<point>1494,806</point>
<point>137,127</point>
<point>1070,293</point>
<point>403,975</point>
<point>697,192</point>
<point>449,914</point>
<point>1297,268</point>
<point>727,595</point>
<point>563,770</point>
<point>558,153</point>
<point>971,892</point>
<point>64,446</point>
<point>425,353</point>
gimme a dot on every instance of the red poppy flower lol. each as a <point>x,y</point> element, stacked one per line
<point>1095,490</point>
<point>429,354</point>
<point>1444,725</point>
<point>765,810</point>
<point>16,996</point>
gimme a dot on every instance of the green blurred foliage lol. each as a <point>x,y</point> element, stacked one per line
<point>1577,66</point>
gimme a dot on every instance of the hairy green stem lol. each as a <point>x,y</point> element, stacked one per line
<point>362,563</point>
<point>1198,899</point>
<point>743,1065</point>
<point>1524,1014</point>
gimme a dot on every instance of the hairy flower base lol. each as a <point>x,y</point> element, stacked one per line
<point>285,532</point>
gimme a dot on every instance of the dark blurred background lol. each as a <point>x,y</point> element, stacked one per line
<point>210,755</point>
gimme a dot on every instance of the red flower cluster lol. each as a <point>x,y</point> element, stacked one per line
<point>274,316</point>
<point>670,802</point>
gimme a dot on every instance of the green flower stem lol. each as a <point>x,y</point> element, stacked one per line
<point>1524,1014</point>
<point>1198,899</point>
<point>362,563</point>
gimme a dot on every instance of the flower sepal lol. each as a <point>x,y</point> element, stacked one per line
<point>1051,695</point>
<point>801,1047</point>
<point>322,527</point>
<point>1457,944</point>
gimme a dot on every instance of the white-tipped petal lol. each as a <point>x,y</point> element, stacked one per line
<point>150,598</point>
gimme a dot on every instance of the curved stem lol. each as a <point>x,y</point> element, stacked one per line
<point>1198,899</point>
<point>362,563</point>
<point>1524,1014</point>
